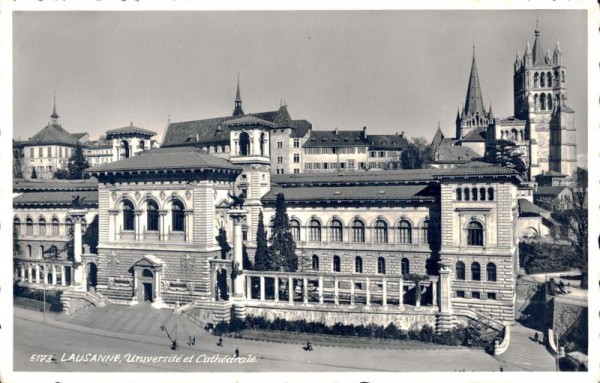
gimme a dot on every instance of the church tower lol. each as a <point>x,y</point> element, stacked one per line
<point>473,115</point>
<point>540,98</point>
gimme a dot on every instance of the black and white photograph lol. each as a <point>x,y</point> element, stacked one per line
<point>374,189</point>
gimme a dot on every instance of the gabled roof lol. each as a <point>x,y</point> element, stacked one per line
<point>475,135</point>
<point>447,154</point>
<point>300,128</point>
<point>79,136</point>
<point>24,185</point>
<point>437,138</point>
<point>175,158</point>
<point>528,207</point>
<point>476,168</point>
<point>130,130</point>
<point>387,142</point>
<point>53,134</point>
<point>336,138</point>
<point>347,178</point>
<point>553,191</point>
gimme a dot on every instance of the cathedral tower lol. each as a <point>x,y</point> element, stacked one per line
<point>540,96</point>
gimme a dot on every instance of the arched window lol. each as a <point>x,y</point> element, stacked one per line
<point>141,145</point>
<point>314,234</point>
<point>244,144</point>
<point>475,271</point>
<point>535,80</point>
<point>128,217</point>
<point>336,264</point>
<point>475,234</point>
<point>482,194</point>
<point>542,80</point>
<point>336,231</point>
<point>147,273</point>
<point>549,101</point>
<point>491,272</point>
<point>543,101</point>
<point>474,191</point>
<point>490,194</point>
<point>295,229</point>
<point>459,194</point>
<point>29,252</point>
<point>177,216</point>
<point>405,266</point>
<point>521,135</point>
<point>42,250</point>
<point>42,226</point>
<point>358,231</point>
<point>556,78</point>
<point>124,149</point>
<point>380,265</point>
<point>460,271</point>
<point>425,232</point>
<point>405,232</point>
<point>55,227</point>
<point>358,265</point>
<point>315,262</point>
<point>151,216</point>
<point>467,194</point>
<point>29,226</point>
<point>536,102</point>
<point>17,226</point>
<point>549,78</point>
<point>381,232</point>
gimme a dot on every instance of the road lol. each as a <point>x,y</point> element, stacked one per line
<point>64,341</point>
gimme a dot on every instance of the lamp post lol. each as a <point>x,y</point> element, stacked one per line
<point>44,289</point>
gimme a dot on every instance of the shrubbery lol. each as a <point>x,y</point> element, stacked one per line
<point>539,257</point>
<point>473,335</point>
<point>52,297</point>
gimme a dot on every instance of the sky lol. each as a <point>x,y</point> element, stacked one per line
<point>392,71</point>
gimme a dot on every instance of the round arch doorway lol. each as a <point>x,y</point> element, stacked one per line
<point>147,284</point>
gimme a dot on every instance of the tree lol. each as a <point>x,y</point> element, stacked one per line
<point>261,257</point>
<point>33,174</point>
<point>61,174</point>
<point>17,167</point>
<point>572,213</point>
<point>282,251</point>
<point>505,153</point>
<point>77,164</point>
<point>417,154</point>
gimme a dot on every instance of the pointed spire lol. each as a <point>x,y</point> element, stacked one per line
<point>54,116</point>
<point>527,49</point>
<point>474,99</point>
<point>538,52</point>
<point>490,113</point>
<point>237,110</point>
<point>438,137</point>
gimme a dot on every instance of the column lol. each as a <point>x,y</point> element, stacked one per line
<point>138,235</point>
<point>249,287</point>
<point>37,274</point>
<point>262,288</point>
<point>401,292</point>
<point>336,298</point>
<point>213,285</point>
<point>238,216</point>
<point>445,303</point>
<point>290,289</point>
<point>72,276</point>
<point>351,291</point>
<point>187,225</point>
<point>54,274</point>
<point>77,269</point>
<point>62,275</point>
<point>368,292</point>
<point>30,276</point>
<point>419,294</point>
<point>22,270</point>
<point>384,287</point>
<point>321,289</point>
<point>276,287</point>
<point>304,290</point>
<point>434,293</point>
<point>45,274</point>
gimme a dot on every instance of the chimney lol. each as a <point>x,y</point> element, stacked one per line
<point>402,134</point>
<point>364,132</point>
<point>335,131</point>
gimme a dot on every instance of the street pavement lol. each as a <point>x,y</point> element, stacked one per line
<point>66,339</point>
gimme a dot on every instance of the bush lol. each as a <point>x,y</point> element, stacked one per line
<point>539,257</point>
<point>52,297</point>
<point>426,334</point>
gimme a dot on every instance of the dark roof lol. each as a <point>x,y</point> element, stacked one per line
<point>476,168</point>
<point>130,130</point>
<point>336,138</point>
<point>528,207</point>
<point>300,128</point>
<point>61,198</point>
<point>79,136</point>
<point>447,154</point>
<point>356,178</point>
<point>249,120</point>
<point>551,173</point>
<point>549,190</point>
<point>475,135</point>
<point>438,138</point>
<point>213,130</point>
<point>176,158</point>
<point>53,135</point>
<point>384,193</point>
<point>21,185</point>
<point>387,142</point>
<point>474,99</point>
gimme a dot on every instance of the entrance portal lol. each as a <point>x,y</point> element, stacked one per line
<point>148,292</point>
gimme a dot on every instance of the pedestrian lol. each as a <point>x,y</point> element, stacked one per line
<point>237,352</point>
<point>309,346</point>
<point>220,342</point>
<point>194,340</point>
<point>536,337</point>
<point>501,369</point>
<point>189,340</point>
<point>174,345</point>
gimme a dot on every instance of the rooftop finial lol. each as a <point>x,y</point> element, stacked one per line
<point>54,116</point>
<point>238,111</point>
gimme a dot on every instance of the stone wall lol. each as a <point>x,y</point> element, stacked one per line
<point>408,319</point>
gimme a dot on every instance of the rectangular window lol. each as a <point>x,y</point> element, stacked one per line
<point>460,294</point>
<point>491,296</point>
<point>279,160</point>
<point>31,152</point>
<point>296,158</point>
<point>308,166</point>
<point>279,145</point>
<point>350,164</point>
<point>40,152</point>
<point>49,151</point>
<point>381,154</point>
<point>296,142</point>
<point>476,295</point>
<point>342,165</point>
<point>371,154</point>
<point>325,166</point>
<point>296,171</point>
<point>317,166</point>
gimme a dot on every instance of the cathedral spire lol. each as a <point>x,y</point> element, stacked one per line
<point>537,55</point>
<point>54,116</point>
<point>238,111</point>
<point>474,100</point>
